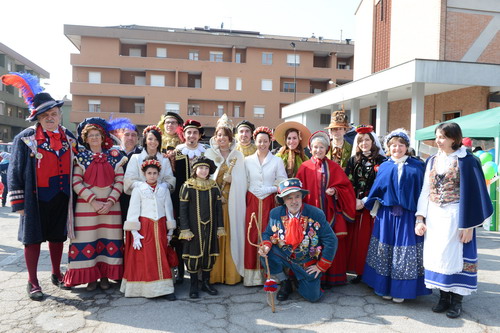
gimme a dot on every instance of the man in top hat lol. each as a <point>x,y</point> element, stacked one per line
<point>340,149</point>
<point>185,155</point>
<point>298,237</point>
<point>40,177</point>
<point>244,131</point>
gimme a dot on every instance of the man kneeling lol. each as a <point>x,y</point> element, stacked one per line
<point>297,237</point>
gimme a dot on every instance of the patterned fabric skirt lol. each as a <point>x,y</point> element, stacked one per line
<point>97,250</point>
<point>394,265</point>
<point>253,270</point>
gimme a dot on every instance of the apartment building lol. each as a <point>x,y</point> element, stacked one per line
<point>13,110</point>
<point>141,72</point>
<point>417,63</point>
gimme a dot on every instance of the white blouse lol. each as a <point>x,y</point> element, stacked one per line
<point>270,173</point>
<point>134,175</point>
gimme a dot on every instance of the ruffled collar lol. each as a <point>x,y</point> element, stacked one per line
<point>399,160</point>
<point>460,153</point>
<point>192,153</point>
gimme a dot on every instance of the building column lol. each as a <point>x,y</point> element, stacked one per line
<point>417,109</point>
<point>176,83</point>
<point>355,111</point>
<point>381,122</point>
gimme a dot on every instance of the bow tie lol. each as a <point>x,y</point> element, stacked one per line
<point>55,140</point>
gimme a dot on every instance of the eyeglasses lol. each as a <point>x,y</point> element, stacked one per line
<point>91,136</point>
<point>171,123</point>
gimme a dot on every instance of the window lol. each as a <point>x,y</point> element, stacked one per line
<point>158,80</point>
<point>288,87</point>
<point>140,80</point>
<point>341,65</point>
<point>222,83</point>
<point>20,113</point>
<point>9,111</point>
<point>94,77</point>
<point>193,109</point>
<point>236,111</point>
<point>451,115</point>
<point>2,60</point>
<point>2,108</point>
<point>293,59</point>
<point>138,107</point>
<point>172,107</point>
<point>238,84</point>
<point>216,56</point>
<point>193,55</point>
<point>94,105</point>
<point>258,111</point>
<point>135,53</point>
<point>161,52</point>
<point>266,85</point>
<point>238,58</point>
<point>324,119</point>
<point>267,58</point>
<point>220,110</point>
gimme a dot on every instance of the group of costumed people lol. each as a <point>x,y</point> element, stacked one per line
<point>326,204</point>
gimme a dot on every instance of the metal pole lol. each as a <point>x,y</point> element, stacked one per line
<point>294,75</point>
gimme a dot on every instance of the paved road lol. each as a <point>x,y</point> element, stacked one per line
<point>351,308</point>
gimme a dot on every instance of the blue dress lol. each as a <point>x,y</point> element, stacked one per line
<point>394,265</point>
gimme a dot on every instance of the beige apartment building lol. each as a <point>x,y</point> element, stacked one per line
<point>142,72</point>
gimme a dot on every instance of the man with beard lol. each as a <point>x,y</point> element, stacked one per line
<point>244,132</point>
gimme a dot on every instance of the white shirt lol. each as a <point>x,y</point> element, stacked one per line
<point>259,176</point>
<point>134,175</point>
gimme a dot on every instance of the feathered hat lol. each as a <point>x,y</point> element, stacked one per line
<point>37,101</point>
<point>100,123</point>
<point>121,124</point>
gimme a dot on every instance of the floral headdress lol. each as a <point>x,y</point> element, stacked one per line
<point>263,129</point>
<point>147,163</point>
<point>151,128</point>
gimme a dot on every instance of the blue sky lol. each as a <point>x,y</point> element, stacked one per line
<point>38,33</point>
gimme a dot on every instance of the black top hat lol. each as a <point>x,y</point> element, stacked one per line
<point>171,114</point>
<point>245,123</point>
<point>43,102</point>
<point>202,160</point>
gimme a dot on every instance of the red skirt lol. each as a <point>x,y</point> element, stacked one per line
<point>150,262</point>
<point>358,240</point>
<point>261,208</point>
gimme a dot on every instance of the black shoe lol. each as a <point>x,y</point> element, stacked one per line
<point>455,309</point>
<point>193,290</point>
<point>326,286</point>
<point>357,279</point>
<point>206,286</point>
<point>285,290</point>
<point>35,293</point>
<point>443,303</point>
<point>59,283</point>
<point>180,274</point>
<point>170,297</point>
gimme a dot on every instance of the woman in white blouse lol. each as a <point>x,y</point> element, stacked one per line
<point>151,144</point>
<point>264,172</point>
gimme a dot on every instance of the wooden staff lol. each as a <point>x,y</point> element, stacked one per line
<point>253,219</point>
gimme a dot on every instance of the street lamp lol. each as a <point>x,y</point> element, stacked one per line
<point>292,44</point>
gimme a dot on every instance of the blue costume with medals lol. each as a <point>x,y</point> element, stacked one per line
<point>318,246</point>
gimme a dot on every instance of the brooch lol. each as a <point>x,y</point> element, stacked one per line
<point>114,153</point>
<point>39,156</point>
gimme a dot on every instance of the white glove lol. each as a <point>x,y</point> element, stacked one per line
<point>137,240</point>
<point>269,190</point>
<point>169,235</point>
<point>258,192</point>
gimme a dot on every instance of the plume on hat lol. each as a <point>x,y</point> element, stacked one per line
<point>28,84</point>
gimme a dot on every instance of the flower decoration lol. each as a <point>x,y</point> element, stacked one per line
<point>151,128</point>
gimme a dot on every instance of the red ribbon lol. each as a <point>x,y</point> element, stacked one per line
<point>294,232</point>
<point>99,173</point>
<point>55,140</point>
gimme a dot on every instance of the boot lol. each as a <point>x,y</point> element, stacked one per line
<point>193,290</point>
<point>205,284</point>
<point>285,290</point>
<point>180,273</point>
<point>443,303</point>
<point>455,309</point>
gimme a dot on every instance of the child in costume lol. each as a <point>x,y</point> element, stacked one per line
<point>150,215</point>
<point>201,222</point>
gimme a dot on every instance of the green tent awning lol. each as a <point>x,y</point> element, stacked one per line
<point>484,124</point>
